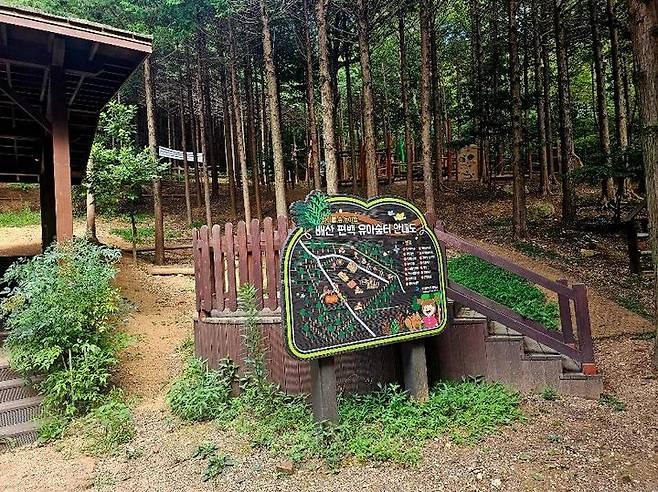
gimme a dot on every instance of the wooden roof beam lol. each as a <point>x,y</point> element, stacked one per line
<point>27,109</point>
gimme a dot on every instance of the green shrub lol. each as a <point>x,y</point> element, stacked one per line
<point>20,218</point>
<point>202,393</point>
<point>107,426</point>
<point>540,211</point>
<point>62,314</point>
<point>504,287</point>
<point>549,393</point>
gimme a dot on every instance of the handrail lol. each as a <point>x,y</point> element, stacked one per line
<point>579,348</point>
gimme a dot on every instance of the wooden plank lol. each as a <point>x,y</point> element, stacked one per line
<point>231,287</point>
<point>565,315</point>
<point>218,264</point>
<point>255,266</point>
<point>583,325</point>
<point>414,365</point>
<point>196,249</point>
<point>323,377</point>
<point>463,245</point>
<point>206,282</point>
<point>282,234</point>
<point>243,265</point>
<point>270,264</point>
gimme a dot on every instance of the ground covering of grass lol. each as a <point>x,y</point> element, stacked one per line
<point>19,218</point>
<point>504,287</point>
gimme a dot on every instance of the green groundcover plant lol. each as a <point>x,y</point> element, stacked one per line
<point>504,287</point>
<point>62,312</point>
<point>385,425</point>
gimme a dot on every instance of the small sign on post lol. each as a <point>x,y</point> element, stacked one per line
<point>358,274</point>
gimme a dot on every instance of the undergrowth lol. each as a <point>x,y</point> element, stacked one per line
<point>504,287</point>
<point>383,426</point>
<point>145,234</point>
<point>20,218</point>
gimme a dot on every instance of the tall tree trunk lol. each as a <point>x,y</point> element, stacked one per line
<point>186,170</point>
<point>644,35</point>
<point>275,115</point>
<point>546,98</point>
<point>621,124</point>
<point>91,209</point>
<point>203,131</point>
<point>251,134</point>
<point>519,198</point>
<point>193,128</point>
<point>425,116</point>
<point>149,89</point>
<point>314,150</point>
<point>227,120</point>
<point>237,115</point>
<point>350,117</point>
<point>476,46</point>
<point>607,189</point>
<point>566,124</point>
<point>541,115</point>
<point>404,89</point>
<point>369,138</point>
<point>437,105</point>
<point>327,97</point>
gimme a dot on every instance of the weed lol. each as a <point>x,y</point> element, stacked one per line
<point>107,426</point>
<point>145,234</point>
<point>217,463</point>
<point>20,218</point>
<point>610,400</point>
<point>549,393</point>
<point>500,222</point>
<point>634,304</point>
<point>504,287</point>
<point>202,393</point>
<point>21,186</point>
<point>553,438</point>
<point>534,250</point>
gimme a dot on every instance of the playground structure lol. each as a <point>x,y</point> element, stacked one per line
<point>483,338</point>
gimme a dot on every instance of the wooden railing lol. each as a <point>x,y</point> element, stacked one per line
<point>577,346</point>
<point>226,258</point>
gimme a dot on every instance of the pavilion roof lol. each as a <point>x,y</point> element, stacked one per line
<point>96,60</point>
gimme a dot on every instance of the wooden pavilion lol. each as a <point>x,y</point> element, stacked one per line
<point>56,75</point>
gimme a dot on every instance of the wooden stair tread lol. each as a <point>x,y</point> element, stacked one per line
<point>16,429</point>
<point>32,401</point>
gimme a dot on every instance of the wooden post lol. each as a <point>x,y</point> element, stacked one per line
<point>323,386</point>
<point>61,154</point>
<point>47,194</point>
<point>414,366</point>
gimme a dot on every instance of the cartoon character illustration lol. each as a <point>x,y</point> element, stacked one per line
<point>399,217</point>
<point>428,304</point>
<point>413,322</point>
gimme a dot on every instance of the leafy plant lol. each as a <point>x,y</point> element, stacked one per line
<point>201,393</point>
<point>504,287</point>
<point>549,393</point>
<point>310,213</point>
<point>217,463</point>
<point>610,400</point>
<point>20,218</point>
<point>62,314</point>
<point>253,338</point>
<point>107,426</point>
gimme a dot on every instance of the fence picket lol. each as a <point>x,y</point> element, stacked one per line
<point>243,254</point>
<point>270,264</point>
<point>255,265</point>
<point>229,248</point>
<point>205,273</point>
<point>218,271</point>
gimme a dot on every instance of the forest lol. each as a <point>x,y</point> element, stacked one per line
<point>547,95</point>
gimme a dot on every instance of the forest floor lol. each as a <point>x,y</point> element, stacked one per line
<point>567,444</point>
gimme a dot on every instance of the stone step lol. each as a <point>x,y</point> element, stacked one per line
<point>18,435</point>
<point>6,372</point>
<point>19,411</point>
<point>16,389</point>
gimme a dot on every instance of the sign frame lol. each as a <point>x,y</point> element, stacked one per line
<point>287,307</point>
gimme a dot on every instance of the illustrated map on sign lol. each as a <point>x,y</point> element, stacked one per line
<point>358,274</point>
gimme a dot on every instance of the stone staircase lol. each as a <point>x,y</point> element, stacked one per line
<point>500,354</point>
<point>19,406</point>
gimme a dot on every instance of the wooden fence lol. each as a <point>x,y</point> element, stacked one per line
<point>226,258</point>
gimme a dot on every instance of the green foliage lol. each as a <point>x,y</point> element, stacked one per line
<point>119,170</point>
<point>311,212</point>
<point>549,393</point>
<point>610,400</point>
<point>22,186</point>
<point>20,218</point>
<point>107,426</point>
<point>534,250</point>
<point>383,426</point>
<point>217,463</point>
<point>62,313</point>
<point>539,211</point>
<point>253,338</point>
<point>145,234</point>
<point>504,287</point>
<point>202,393</point>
